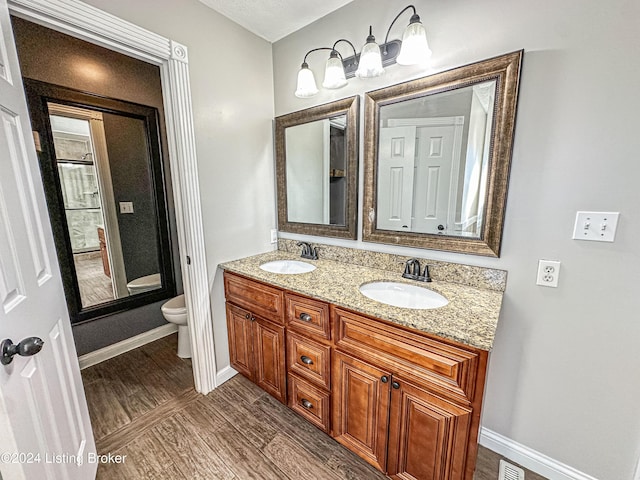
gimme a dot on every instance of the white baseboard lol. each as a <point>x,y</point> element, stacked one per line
<point>119,348</point>
<point>225,374</point>
<point>529,458</point>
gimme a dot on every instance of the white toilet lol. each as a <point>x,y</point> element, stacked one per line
<point>175,311</point>
<point>144,284</point>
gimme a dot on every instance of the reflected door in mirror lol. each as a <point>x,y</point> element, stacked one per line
<point>432,162</point>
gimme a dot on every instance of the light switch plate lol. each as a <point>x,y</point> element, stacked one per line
<point>126,207</point>
<point>596,226</point>
<point>274,235</point>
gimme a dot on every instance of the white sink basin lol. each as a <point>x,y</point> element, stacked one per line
<point>287,267</point>
<point>403,295</point>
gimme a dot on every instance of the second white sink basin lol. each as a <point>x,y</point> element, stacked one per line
<point>287,267</point>
<point>403,295</point>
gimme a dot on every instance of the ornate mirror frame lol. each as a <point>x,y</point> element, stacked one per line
<point>505,70</point>
<point>350,108</point>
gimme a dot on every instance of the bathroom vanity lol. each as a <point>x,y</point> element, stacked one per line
<point>402,388</point>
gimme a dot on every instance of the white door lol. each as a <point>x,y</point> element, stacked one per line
<point>396,163</point>
<point>46,432</point>
<point>433,197</point>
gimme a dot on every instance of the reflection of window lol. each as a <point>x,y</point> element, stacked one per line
<point>78,181</point>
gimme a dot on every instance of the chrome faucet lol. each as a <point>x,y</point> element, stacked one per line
<point>412,271</point>
<point>308,251</point>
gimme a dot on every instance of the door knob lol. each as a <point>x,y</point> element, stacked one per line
<point>26,348</point>
<point>440,227</point>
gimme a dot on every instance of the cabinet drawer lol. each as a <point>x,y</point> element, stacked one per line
<point>450,368</point>
<point>261,299</point>
<point>311,402</point>
<point>308,316</point>
<point>309,359</point>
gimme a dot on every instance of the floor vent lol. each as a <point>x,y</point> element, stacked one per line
<point>510,472</point>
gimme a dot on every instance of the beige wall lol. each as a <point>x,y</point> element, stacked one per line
<point>231,87</point>
<point>563,376</point>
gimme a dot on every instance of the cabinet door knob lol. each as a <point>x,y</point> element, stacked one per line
<point>306,403</point>
<point>305,317</point>
<point>306,360</point>
<point>384,379</point>
<point>253,319</point>
<point>247,316</point>
<point>395,385</point>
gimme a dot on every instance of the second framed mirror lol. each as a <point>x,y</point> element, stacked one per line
<point>437,158</point>
<point>317,170</point>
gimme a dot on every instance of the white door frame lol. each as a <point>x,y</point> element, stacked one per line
<point>88,23</point>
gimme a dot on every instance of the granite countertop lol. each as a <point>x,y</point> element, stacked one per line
<point>470,317</point>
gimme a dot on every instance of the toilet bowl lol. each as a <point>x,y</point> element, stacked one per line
<point>144,284</point>
<point>175,311</point>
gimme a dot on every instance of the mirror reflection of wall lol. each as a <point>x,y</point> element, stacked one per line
<point>433,162</point>
<point>316,171</point>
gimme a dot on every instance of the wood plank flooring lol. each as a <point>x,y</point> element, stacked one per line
<point>143,405</point>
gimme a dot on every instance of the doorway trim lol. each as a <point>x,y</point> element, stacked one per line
<point>91,24</point>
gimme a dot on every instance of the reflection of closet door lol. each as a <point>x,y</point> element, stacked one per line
<point>437,166</point>
<point>396,159</point>
<point>432,192</point>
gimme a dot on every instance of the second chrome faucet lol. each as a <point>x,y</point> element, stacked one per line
<point>412,271</point>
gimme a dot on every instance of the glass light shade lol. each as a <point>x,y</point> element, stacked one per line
<point>414,49</point>
<point>370,64</point>
<point>306,83</point>
<point>334,73</point>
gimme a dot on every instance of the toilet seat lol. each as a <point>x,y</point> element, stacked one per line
<point>148,282</point>
<point>175,306</point>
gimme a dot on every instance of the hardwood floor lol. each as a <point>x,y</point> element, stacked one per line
<point>95,286</point>
<point>143,405</point>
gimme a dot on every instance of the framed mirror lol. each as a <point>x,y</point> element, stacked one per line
<point>103,175</point>
<point>437,158</point>
<point>317,170</point>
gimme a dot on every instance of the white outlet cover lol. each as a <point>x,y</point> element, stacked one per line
<point>548,273</point>
<point>596,226</point>
<point>126,207</point>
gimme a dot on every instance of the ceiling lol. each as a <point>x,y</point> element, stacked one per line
<point>274,19</point>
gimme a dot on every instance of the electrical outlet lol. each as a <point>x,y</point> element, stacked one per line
<point>274,235</point>
<point>548,273</point>
<point>126,207</point>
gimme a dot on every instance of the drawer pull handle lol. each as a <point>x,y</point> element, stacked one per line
<point>395,385</point>
<point>384,379</point>
<point>305,317</point>
<point>306,360</point>
<point>306,403</point>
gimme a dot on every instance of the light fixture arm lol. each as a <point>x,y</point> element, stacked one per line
<point>304,62</point>
<point>415,14</point>
<point>347,41</point>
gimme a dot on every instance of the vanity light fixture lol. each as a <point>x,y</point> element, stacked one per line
<point>370,62</point>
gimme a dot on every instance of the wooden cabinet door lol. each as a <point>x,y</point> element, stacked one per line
<point>361,408</point>
<point>239,329</point>
<point>268,355</point>
<point>428,435</point>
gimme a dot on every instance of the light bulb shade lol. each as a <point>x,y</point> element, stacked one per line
<point>334,73</point>
<point>414,49</point>
<point>370,64</point>
<point>306,83</point>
